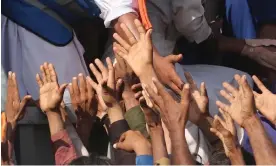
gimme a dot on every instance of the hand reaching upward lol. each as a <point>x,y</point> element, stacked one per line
<point>265,102</point>
<point>51,94</point>
<point>242,105</point>
<point>137,52</point>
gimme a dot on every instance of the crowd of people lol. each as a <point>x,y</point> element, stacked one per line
<point>154,110</point>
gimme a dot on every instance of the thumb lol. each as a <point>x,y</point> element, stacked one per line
<point>175,58</point>
<point>22,109</point>
<point>62,89</point>
<point>120,145</point>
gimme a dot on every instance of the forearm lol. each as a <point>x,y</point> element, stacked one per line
<point>228,44</point>
<point>158,143</point>
<point>263,149</point>
<point>115,113</point>
<point>180,151</point>
<point>129,100</point>
<point>55,122</point>
<point>147,76</point>
<point>236,157</point>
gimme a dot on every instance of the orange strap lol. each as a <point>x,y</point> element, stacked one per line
<point>144,14</point>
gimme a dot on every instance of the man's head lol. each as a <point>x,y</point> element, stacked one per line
<point>91,160</point>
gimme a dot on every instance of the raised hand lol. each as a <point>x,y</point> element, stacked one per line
<point>83,97</point>
<point>15,109</point>
<point>265,102</point>
<point>105,87</point>
<point>242,105</point>
<point>199,104</point>
<point>226,131</point>
<point>51,94</point>
<point>134,141</point>
<point>137,53</point>
<point>174,114</point>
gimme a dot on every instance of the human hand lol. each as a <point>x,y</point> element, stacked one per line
<point>105,87</point>
<point>199,105</point>
<point>51,94</point>
<point>15,109</point>
<point>265,102</point>
<point>137,52</point>
<point>134,141</point>
<point>226,131</point>
<point>174,114</point>
<point>170,78</point>
<point>242,106</point>
<point>83,98</point>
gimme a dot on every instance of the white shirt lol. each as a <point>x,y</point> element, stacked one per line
<point>112,9</point>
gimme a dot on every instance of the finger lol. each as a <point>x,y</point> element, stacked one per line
<point>43,73</point>
<point>230,88</point>
<point>156,99</point>
<point>53,74</point>
<point>222,123</point>
<point>38,80</point>
<point>175,88</point>
<point>185,95</point>
<point>120,48</point>
<point>222,106</point>
<point>122,137</point>
<point>175,58</point>
<point>237,78</point>
<point>90,91</point>
<point>160,88</point>
<point>190,80</point>
<point>227,96</point>
<point>138,95</point>
<point>22,109</point>
<point>119,88</point>
<point>223,113</point>
<point>82,87</point>
<point>111,74</point>
<point>148,38</point>
<point>148,101</point>
<point>136,87</point>
<point>71,91</point>
<point>91,82</point>
<point>203,90</point>
<point>217,133</point>
<point>119,52</point>
<point>47,71</point>
<point>76,89</point>
<point>102,68</point>
<point>16,92</point>
<point>96,73</point>
<point>131,38</point>
<point>140,28</point>
<point>245,86</point>
<point>121,41</point>
<point>256,95</point>
<point>259,84</point>
<point>62,89</point>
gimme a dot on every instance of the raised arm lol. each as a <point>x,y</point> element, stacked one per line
<point>242,110</point>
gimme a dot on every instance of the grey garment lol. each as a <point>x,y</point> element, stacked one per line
<point>3,89</point>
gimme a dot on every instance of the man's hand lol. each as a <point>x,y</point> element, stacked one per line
<point>134,141</point>
<point>165,71</point>
<point>242,105</point>
<point>199,104</point>
<point>83,97</point>
<point>15,109</point>
<point>173,114</point>
<point>105,87</point>
<point>265,102</point>
<point>137,53</point>
<point>51,93</point>
<point>226,131</point>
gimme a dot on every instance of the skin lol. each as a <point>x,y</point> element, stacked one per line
<point>134,141</point>
<point>155,129</point>
<point>242,111</point>
<point>106,89</point>
<point>14,111</point>
<point>85,105</point>
<point>226,131</point>
<point>265,102</point>
<point>174,116</point>
<point>51,95</point>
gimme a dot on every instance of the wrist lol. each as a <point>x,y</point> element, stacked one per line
<point>143,148</point>
<point>250,122</point>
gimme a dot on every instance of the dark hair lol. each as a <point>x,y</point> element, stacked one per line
<point>91,160</point>
<point>219,158</point>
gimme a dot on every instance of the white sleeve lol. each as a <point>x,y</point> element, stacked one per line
<point>112,9</point>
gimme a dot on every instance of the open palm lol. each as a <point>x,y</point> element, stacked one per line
<point>137,53</point>
<point>50,92</point>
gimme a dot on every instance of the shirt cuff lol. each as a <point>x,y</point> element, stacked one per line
<point>115,13</point>
<point>144,160</point>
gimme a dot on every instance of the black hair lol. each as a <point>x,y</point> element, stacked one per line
<point>219,158</point>
<point>91,160</point>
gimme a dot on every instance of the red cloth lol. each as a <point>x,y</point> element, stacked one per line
<point>144,14</point>
<point>63,148</point>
